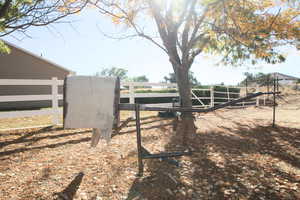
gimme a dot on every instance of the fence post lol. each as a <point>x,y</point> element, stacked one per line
<point>131,96</point>
<point>54,86</point>
<point>212,99</point>
<point>257,98</point>
<point>228,95</point>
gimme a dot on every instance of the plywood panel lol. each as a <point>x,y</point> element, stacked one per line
<point>89,102</point>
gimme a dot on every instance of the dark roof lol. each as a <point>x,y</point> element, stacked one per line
<point>38,57</point>
<point>283,76</point>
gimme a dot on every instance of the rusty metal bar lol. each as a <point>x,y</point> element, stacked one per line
<point>246,86</point>
<point>198,110</point>
<point>139,140</point>
<point>274,102</point>
<point>144,153</point>
<point>166,155</point>
<point>166,159</point>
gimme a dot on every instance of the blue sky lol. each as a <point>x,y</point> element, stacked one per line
<point>81,47</point>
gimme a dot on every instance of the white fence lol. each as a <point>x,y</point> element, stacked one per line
<point>54,97</point>
<point>55,111</point>
<point>132,95</point>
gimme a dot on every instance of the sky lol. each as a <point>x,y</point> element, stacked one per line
<point>81,46</point>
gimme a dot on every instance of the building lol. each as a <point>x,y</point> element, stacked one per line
<point>21,64</point>
<point>284,79</point>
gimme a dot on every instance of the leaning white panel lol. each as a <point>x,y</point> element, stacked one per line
<point>89,103</point>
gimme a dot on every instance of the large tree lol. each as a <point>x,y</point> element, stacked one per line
<point>236,30</point>
<point>19,15</point>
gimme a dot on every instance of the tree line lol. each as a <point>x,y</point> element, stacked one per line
<point>260,79</point>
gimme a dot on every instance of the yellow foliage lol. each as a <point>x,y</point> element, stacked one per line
<point>116,20</point>
<point>254,23</point>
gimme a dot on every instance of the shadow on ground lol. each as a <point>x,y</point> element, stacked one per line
<point>242,162</point>
<point>26,140</point>
<point>70,191</point>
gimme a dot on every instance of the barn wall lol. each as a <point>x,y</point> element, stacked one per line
<point>21,65</point>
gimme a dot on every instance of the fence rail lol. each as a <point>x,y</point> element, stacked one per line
<point>54,97</point>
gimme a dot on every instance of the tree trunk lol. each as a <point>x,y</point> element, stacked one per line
<point>186,126</point>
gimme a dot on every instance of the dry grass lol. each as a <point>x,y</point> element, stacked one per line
<point>46,120</point>
<point>238,155</point>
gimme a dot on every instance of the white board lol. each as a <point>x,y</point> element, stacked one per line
<point>89,102</point>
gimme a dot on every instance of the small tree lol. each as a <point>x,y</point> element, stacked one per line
<point>139,79</point>
<point>259,78</point>
<point>114,72</point>
<point>19,15</point>
<point>171,78</point>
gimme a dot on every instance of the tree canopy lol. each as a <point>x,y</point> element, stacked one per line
<point>19,15</point>
<point>237,30</point>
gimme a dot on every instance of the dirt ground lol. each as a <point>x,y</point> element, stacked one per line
<point>237,155</point>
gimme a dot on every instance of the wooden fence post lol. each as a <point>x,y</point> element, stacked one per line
<point>274,102</point>
<point>257,98</point>
<point>246,86</point>
<point>212,99</point>
<point>228,95</point>
<point>268,89</point>
<point>54,86</point>
<point>131,97</point>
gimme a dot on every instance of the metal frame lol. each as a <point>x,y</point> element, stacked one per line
<point>145,154</point>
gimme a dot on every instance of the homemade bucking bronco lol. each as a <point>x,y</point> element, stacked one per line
<point>94,102</point>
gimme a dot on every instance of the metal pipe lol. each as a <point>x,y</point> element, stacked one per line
<point>246,86</point>
<point>185,109</point>
<point>166,155</point>
<point>274,101</point>
<point>139,139</point>
<point>277,82</point>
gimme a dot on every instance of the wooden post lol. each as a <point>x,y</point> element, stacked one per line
<point>131,97</point>
<point>246,86</point>
<point>228,95</point>
<point>54,87</point>
<point>257,98</point>
<point>116,105</point>
<point>212,99</point>
<point>274,101</point>
<point>268,89</point>
<point>277,82</point>
<point>139,139</point>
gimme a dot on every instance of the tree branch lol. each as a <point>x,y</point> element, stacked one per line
<point>4,8</point>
